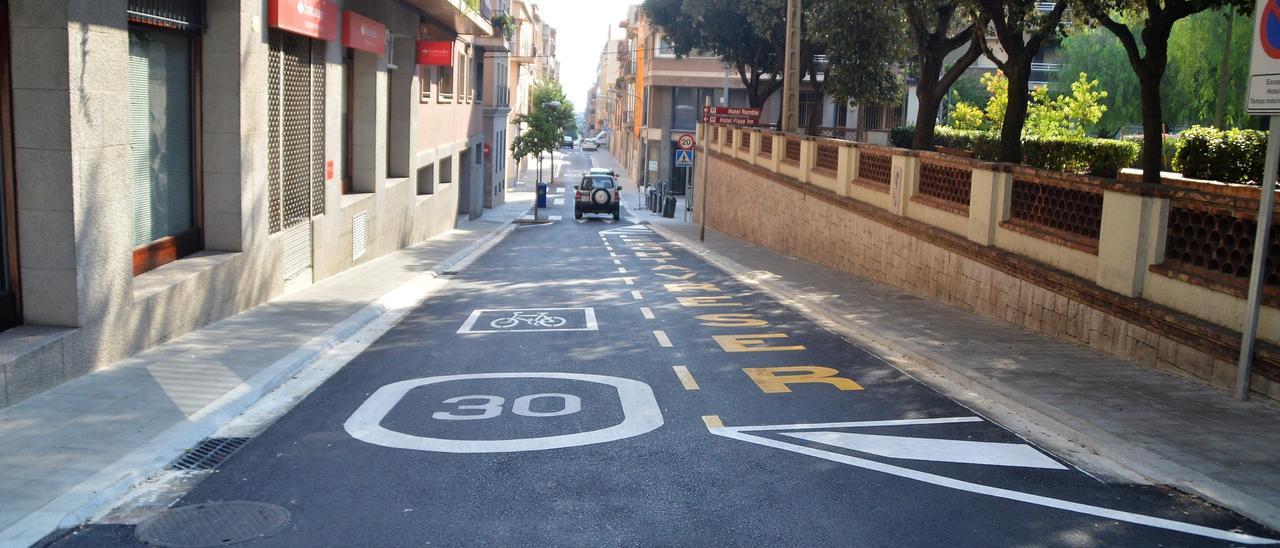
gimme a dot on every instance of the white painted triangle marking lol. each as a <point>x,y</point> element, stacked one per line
<point>742,434</point>
<point>937,450</point>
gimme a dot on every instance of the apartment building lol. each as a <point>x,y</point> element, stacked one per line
<point>167,163</point>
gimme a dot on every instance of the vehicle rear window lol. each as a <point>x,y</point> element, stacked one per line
<point>592,183</point>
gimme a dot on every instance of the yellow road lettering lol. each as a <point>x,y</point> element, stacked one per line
<point>684,276</point>
<point>732,320</point>
<point>708,301</point>
<point>774,380</point>
<point>753,343</point>
<point>681,288</point>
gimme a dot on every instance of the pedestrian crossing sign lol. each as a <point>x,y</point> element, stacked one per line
<point>684,158</point>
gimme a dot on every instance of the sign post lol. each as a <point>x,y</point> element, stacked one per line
<point>684,158</point>
<point>706,183</point>
<point>1263,99</point>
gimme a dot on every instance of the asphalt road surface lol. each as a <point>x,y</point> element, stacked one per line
<point>591,384</point>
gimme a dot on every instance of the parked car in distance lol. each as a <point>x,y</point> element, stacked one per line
<point>597,193</point>
<point>566,142</point>
<point>602,171</point>
<point>589,145</point>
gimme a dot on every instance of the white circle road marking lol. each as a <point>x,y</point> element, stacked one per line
<point>639,410</point>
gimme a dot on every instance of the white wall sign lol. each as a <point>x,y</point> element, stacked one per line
<point>1264,60</point>
<point>639,410</point>
<point>653,165</point>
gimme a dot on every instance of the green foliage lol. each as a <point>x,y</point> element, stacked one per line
<point>504,23</point>
<point>1098,53</point>
<point>1190,85</point>
<point>969,89</point>
<point>1100,157</point>
<point>967,117</point>
<point>901,136</point>
<point>998,89</point>
<point>1086,155</point>
<point>1232,156</point>
<point>1066,115</point>
<point>865,42</point>
<point>545,126</point>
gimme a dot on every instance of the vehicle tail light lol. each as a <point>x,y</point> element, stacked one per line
<point>577,194</point>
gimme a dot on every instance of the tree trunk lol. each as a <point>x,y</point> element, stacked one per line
<point>926,119</point>
<point>1152,122</point>
<point>1219,111</point>
<point>1015,115</point>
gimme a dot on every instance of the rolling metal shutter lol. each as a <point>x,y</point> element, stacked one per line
<point>296,138</point>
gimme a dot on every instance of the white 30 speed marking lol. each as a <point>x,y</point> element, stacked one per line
<point>639,410</point>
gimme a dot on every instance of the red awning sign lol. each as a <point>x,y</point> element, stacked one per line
<point>314,18</point>
<point>362,33</point>
<point>435,53</point>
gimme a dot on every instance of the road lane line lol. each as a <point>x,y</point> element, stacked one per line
<point>637,296</point>
<point>663,340</point>
<point>686,378</point>
<point>612,254</point>
<point>629,281</point>
<point>648,314</point>
<point>622,270</point>
<point>617,261</point>
<point>860,424</point>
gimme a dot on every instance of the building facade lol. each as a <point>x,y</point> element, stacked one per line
<point>167,163</point>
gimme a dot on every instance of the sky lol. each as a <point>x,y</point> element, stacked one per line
<point>582,28</point>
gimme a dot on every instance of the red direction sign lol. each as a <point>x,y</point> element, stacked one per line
<point>686,142</point>
<point>744,116</point>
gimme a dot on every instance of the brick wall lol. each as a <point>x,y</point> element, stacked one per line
<point>747,204</point>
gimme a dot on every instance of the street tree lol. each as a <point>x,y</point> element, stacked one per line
<point>549,119</point>
<point>747,35</point>
<point>1021,27</point>
<point>937,28</point>
<point>1148,53</point>
<point>864,48</point>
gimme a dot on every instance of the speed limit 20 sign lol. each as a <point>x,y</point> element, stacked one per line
<point>686,142</point>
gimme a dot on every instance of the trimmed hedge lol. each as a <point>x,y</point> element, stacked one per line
<point>1100,157</point>
<point>1231,156</point>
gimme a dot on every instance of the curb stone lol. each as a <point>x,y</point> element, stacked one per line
<point>105,487</point>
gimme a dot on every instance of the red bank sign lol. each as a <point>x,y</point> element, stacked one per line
<point>314,18</point>
<point>362,33</point>
<point>435,53</point>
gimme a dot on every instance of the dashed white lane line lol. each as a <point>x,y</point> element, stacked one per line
<point>686,378</point>
<point>617,261</point>
<point>646,312</point>
<point>558,201</point>
<point>663,340</point>
<point>554,217</point>
<point>637,296</point>
<point>622,270</point>
<point>612,254</point>
<point>629,281</point>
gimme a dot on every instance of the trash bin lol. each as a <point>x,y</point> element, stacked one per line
<point>669,207</point>
<point>542,194</point>
<point>653,200</point>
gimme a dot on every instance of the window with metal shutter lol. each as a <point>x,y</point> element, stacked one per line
<point>160,134</point>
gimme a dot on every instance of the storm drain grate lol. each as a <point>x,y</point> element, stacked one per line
<point>212,524</point>
<point>208,455</point>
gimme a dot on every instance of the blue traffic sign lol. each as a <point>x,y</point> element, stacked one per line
<point>684,158</point>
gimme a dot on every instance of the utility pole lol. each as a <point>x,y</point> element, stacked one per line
<point>791,70</point>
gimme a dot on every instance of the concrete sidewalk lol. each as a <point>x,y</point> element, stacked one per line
<point>1112,417</point>
<point>66,453</point>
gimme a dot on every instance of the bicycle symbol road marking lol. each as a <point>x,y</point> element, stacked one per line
<point>530,319</point>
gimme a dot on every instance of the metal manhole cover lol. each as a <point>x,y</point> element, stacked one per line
<point>212,524</point>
